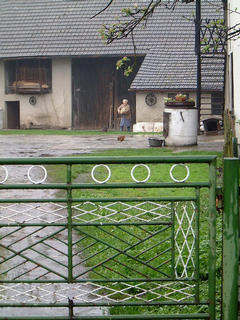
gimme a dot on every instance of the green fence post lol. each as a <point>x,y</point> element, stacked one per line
<point>212,241</point>
<point>230,239</point>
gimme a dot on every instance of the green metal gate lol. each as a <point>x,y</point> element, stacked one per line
<point>107,239</point>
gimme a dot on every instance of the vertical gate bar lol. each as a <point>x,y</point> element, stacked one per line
<point>69,209</point>
<point>212,241</point>
<point>173,240</point>
<point>230,239</point>
<point>197,221</point>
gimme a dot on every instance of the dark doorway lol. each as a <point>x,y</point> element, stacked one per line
<point>98,89</point>
<point>91,93</point>
<point>13,115</point>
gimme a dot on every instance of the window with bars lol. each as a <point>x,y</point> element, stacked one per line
<point>217,103</point>
<point>28,76</point>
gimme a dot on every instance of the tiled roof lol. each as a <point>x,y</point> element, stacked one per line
<point>42,28</point>
<point>174,66</point>
<point>168,66</point>
<point>171,63</point>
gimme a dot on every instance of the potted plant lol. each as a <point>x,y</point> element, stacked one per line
<point>180,100</point>
<point>181,97</point>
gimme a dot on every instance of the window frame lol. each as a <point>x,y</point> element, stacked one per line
<point>36,72</point>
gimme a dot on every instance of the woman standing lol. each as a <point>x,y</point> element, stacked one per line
<point>125,112</point>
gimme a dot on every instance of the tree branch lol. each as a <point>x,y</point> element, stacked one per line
<point>117,31</point>
<point>105,8</point>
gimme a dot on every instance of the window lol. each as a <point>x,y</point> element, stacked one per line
<point>28,76</point>
<point>217,103</point>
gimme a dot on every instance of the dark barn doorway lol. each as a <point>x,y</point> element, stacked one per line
<point>13,114</point>
<point>98,89</point>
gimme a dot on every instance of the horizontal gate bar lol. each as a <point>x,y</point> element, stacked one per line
<point>120,317</point>
<point>99,199</point>
<point>107,186</point>
<point>112,160</point>
<point>102,304</point>
<point>24,225</point>
<point>102,280</point>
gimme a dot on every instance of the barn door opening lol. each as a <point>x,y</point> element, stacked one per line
<point>98,89</point>
<point>13,114</point>
<point>92,93</point>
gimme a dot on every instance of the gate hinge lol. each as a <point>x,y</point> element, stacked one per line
<point>70,307</point>
<point>219,199</point>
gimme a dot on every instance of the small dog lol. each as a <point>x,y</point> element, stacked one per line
<point>121,138</point>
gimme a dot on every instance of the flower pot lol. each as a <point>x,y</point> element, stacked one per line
<point>155,142</point>
<point>181,99</point>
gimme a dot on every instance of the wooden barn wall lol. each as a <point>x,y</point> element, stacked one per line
<point>98,89</point>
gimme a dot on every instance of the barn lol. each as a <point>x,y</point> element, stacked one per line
<point>56,72</point>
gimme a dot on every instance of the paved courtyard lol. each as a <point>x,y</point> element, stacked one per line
<point>46,146</point>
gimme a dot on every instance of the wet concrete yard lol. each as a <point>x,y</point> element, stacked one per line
<point>40,146</point>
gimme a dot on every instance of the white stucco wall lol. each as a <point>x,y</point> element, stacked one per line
<point>234,48</point>
<point>150,119</point>
<point>52,110</point>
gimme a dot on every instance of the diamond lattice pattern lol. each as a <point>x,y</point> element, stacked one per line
<point>122,212</point>
<point>33,213</point>
<point>185,237</point>
<point>96,292</point>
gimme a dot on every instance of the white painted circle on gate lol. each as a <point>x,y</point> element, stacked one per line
<point>6,174</point>
<point>182,165</point>
<point>148,173</point>
<point>93,171</point>
<point>37,181</point>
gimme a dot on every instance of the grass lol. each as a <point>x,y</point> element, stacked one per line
<point>101,243</point>
<point>68,132</point>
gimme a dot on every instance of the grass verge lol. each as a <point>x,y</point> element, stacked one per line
<point>69,132</point>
